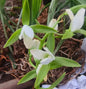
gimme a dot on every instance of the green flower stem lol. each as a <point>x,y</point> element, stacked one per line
<point>63,14</point>
<point>37,37</point>
<point>30,56</point>
<point>58,46</point>
<point>42,41</point>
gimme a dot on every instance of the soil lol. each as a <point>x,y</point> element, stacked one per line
<point>70,49</point>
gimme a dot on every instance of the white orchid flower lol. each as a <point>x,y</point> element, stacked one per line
<point>52,22</point>
<point>45,56</point>
<point>27,35</point>
<point>77,21</point>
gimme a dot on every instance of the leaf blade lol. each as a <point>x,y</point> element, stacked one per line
<point>66,62</point>
<point>57,81</point>
<point>41,75</point>
<point>25,13</point>
<point>30,75</point>
<point>14,37</point>
<point>42,29</point>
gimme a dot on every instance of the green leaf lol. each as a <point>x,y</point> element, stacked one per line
<point>82,1</point>
<point>77,7</point>
<point>2,3</point>
<point>14,37</point>
<point>35,10</point>
<point>51,42</point>
<point>81,31</point>
<point>25,13</point>
<point>42,29</point>
<point>57,81</point>
<point>54,65</point>
<point>52,9</point>
<point>30,75</point>
<point>68,34</point>
<point>66,62</point>
<point>41,75</point>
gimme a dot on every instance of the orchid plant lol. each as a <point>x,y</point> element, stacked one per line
<point>39,48</point>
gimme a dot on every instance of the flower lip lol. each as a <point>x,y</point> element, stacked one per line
<point>45,56</point>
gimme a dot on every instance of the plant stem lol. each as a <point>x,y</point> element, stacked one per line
<point>42,41</point>
<point>58,46</point>
<point>58,19</point>
<point>19,19</point>
<point>30,56</point>
<point>37,37</point>
<point>43,9</point>
<point>3,26</point>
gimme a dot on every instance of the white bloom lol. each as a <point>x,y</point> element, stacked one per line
<point>52,22</point>
<point>47,86</point>
<point>70,13</point>
<point>28,31</point>
<point>27,35</point>
<point>77,21</point>
<point>45,56</point>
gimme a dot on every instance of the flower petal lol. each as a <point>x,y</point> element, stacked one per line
<point>28,31</point>
<point>38,68</point>
<point>46,61</point>
<point>52,22</point>
<point>38,54</point>
<point>78,20</point>
<point>36,43</point>
<point>50,54</point>
<point>28,42</point>
<point>70,13</point>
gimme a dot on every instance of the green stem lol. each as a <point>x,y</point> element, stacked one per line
<point>43,9</point>
<point>30,57</point>
<point>19,19</point>
<point>42,41</point>
<point>3,26</point>
<point>58,46</point>
<point>58,19</point>
<point>37,37</point>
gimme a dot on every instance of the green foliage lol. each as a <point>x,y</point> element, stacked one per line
<point>81,31</point>
<point>51,42</point>
<point>52,8</point>
<point>25,13</point>
<point>57,81</point>
<point>82,1</point>
<point>66,62</point>
<point>35,10</point>
<point>68,34</point>
<point>77,7</point>
<point>14,37</point>
<point>2,3</point>
<point>54,65</point>
<point>42,29</point>
<point>30,75</point>
<point>41,75</point>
